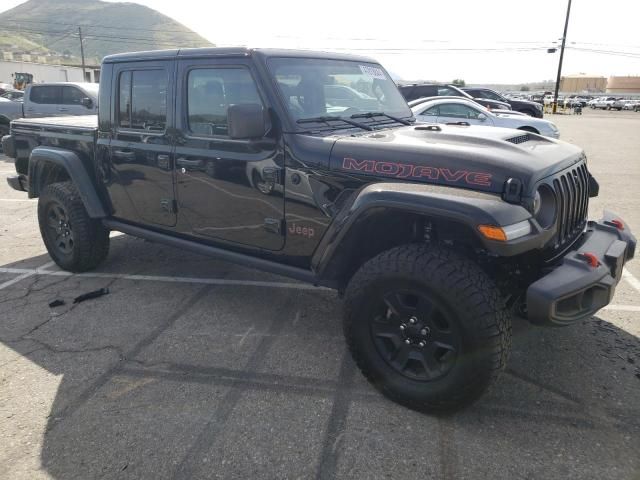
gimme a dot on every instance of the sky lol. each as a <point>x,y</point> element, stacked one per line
<point>488,41</point>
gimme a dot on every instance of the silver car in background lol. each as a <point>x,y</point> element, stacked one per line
<point>466,112</point>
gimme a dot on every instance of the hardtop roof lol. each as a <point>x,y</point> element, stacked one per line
<point>230,52</point>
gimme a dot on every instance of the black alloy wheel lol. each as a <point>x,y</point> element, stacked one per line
<point>75,241</point>
<point>58,228</point>
<point>416,334</point>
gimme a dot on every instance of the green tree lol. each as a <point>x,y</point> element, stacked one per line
<point>524,88</point>
<point>459,82</point>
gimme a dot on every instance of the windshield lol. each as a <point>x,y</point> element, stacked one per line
<point>314,88</point>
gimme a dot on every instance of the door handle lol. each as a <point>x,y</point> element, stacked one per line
<point>183,162</point>
<point>163,162</point>
<point>62,109</point>
<point>124,155</point>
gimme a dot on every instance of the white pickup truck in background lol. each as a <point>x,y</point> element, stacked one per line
<point>50,100</point>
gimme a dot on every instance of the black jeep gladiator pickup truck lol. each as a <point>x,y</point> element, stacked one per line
<point>311,165</point>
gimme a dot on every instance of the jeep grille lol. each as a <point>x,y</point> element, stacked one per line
<point>572,194</point>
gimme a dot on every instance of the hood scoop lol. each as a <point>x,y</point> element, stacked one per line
<point>519,139</point>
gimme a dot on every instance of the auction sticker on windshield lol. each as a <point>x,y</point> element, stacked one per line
<point>372,72</point>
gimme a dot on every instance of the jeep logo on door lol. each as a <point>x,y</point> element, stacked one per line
<point>405,170</point>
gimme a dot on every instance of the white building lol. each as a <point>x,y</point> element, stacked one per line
<point>47,72</point>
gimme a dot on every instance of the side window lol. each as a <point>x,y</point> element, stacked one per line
<point>149,100</point>
<point>431,112</point>
<point>426,91</point>
<point>447,92</point>
<point>124,100</point>
<point>47,95</point>
<point>142,100</point>
<point>210,92</point>
<point>455,110</point>
<point>72,96</point>
<point>489,95</point>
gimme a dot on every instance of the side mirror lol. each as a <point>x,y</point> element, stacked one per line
<point>245,121</point>
<point>482,117</point>
<point>87,102</point>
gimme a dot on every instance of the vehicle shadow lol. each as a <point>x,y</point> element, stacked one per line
<point>136,376</point>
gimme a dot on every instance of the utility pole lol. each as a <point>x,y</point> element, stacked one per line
<point>84,76</point>
<point>564,39</point>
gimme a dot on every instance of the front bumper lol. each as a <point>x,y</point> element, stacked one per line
<point>580,284</point>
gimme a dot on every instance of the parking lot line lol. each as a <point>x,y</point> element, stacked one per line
<point>26,272</point>
<point>633,281</point>
<point>17,200</point>
<point>623,308</point>
<point>8,283</point>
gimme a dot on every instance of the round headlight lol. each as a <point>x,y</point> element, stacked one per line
<point>544,206</point>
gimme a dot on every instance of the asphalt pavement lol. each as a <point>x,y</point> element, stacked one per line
<point>193,368</point>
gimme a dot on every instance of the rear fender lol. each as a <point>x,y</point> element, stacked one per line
<point>43,157</point>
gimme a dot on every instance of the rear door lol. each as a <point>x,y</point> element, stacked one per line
<point>43,101</point>
<point>140,150</point>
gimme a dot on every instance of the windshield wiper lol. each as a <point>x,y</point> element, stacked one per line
<point>381,114</point>
<point>326,119</point>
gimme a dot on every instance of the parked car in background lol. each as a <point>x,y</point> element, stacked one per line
<point>13,95</point>
<point>575,100</point>
<point>605,103</point>
<point>525,106</point>
<point>630,104</point>
<point>413,103</point>
<point>51,100</point>
<point>461,111</point>
<point>424,90</point>
<point>338,94</point>
<point>621,103</point>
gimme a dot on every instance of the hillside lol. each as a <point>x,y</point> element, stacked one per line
<point>51,27</point>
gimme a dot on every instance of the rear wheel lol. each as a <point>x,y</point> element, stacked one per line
<point>426,327</point>
<point>74,241</point>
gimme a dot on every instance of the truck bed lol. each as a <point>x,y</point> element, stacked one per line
<point>80,122</point>
<point>75,133</point>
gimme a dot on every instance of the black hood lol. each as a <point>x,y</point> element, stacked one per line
<point>480,158</point>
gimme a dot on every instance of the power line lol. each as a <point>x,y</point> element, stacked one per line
<point>607,52</point>
<point>187,31</point>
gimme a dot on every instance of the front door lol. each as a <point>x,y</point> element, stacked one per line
<point>142,186</point>
<point>227,190</point>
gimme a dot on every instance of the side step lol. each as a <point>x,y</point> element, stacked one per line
<point>229,256</point>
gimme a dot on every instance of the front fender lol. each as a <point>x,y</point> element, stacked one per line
<point>41,156</point>
<point>468,208</point>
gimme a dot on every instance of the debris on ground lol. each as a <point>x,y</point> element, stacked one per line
<point>56,303</point>
<point>91,295</point>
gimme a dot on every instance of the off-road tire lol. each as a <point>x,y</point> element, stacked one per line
<point>477,308</point>
<point>90,244</point>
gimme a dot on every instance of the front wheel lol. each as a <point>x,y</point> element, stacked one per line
<point>426,327</point>
<point>74,241</point>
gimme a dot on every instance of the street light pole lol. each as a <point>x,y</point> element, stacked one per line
<point>564,39</point>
